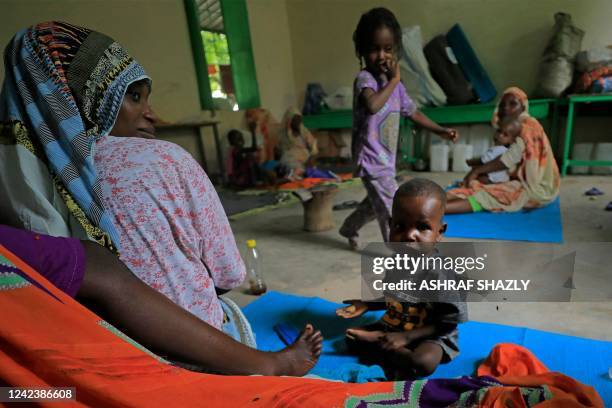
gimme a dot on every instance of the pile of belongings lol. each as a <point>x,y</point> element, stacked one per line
<point>594,67</point>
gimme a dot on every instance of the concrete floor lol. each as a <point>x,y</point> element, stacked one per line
<point>320,264</point>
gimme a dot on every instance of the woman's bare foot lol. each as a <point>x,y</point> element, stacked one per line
<point>300,357</point>
<point>366,336</point>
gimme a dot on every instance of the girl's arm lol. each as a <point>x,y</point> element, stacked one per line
<point>374,101</point>
<point>423,121</point>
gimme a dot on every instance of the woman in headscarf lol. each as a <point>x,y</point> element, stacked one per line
<point>78,158</point>
<point>533,183</point>
<point>67,89</point>
<point>298,146</point>
<point>264,129</point>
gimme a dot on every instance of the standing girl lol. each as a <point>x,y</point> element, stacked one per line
<point>379,100</point>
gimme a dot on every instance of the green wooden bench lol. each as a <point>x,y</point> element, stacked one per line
<point>444,115</point>
<point>572,101</point>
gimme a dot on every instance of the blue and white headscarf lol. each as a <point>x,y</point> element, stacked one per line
<point>62,91</point>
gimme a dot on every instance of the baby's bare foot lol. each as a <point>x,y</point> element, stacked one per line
<point>300,357</point>
<point>364,335</point>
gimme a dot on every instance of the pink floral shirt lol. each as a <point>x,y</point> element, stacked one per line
<point>175,235</point>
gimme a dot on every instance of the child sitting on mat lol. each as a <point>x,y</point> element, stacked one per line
<point>509,129</point>
<point>412,338</point>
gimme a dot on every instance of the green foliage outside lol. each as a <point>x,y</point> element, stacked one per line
<point>217,53</point>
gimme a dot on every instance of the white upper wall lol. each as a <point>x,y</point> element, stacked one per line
<point>272,44</point>
<point>155,33</point>
<point>507,36</point>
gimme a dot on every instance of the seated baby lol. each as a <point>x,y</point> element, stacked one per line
<point>509,129</point>
<point>412,338</point>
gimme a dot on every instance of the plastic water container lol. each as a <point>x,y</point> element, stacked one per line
<point>438,157</point>
<point>603,151</point>
<point>479,138</point>
<point>461,153</point>
<point>582,151</point>
<point>254,272</point>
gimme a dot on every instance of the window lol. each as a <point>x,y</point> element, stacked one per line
<point>221,44</point>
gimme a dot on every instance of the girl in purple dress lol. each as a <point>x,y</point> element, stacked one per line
<point>378,102</point>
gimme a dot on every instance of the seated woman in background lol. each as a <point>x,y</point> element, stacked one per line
<point>67,89</point>
<point>298,146</point>
<point>534,183</point>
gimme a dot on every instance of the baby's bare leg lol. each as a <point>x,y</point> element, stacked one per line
<point>364,342</point>
<point>420,362</point>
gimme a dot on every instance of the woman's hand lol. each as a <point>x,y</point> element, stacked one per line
<point>355,309</point>
<point>449,134</point>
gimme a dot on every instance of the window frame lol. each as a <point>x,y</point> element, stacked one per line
<point>237,32</point>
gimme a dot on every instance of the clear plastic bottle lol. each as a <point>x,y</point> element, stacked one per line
<point>253,264</point>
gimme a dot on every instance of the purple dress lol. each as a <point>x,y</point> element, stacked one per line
<point>375,136</point>
<point>374,150</point>
<point>60,260</point>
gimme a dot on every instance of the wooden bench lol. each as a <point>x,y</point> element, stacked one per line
<point>572,102</point>
<point>444,115</point>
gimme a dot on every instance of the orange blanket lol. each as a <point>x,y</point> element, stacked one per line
<point>48,339</point>
<point>311,182</point>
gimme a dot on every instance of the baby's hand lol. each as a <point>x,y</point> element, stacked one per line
<point>355,309</point>
<point>395,341</point>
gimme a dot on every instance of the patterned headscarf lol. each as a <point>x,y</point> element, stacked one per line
<point>63,89</point>
<point>520,95</point>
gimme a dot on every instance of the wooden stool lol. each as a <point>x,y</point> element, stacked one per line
<point>318,210</point>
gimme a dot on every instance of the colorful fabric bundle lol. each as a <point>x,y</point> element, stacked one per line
<point>72,347</point>
<point>587,81</point>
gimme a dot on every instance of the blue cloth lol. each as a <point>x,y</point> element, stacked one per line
<point>470,65</point>
<point>313,172</point>
<point>583,359</point>
<point>539,225</point>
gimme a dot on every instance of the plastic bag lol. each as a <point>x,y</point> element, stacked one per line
<point>341,99</point>
<point>447,73</point>
<point>594,58</point>
<point>557,64</point>
<point>421,87</point>
<point>314,100</point>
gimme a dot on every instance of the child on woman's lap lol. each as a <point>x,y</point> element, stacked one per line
<point>411,339</point>
<point>509,129</point>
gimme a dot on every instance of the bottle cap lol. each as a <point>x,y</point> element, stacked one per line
<point>251,243</point>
